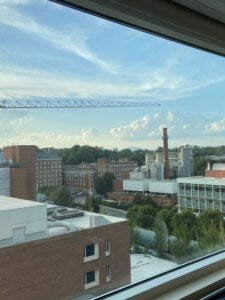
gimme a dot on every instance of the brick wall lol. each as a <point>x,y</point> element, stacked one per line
<point>53,268</point>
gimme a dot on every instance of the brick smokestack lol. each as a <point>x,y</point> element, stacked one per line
<point>165,154</point>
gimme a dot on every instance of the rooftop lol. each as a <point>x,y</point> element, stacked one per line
<point>144,266</point>
<point>201,180</point>
<point>47,156</point>
<point>7,203</point>
<point>83,220</point>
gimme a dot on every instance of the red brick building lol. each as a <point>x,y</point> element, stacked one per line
<point>117,167</point>
<point>48,170</point>
<point>91,256</point>
<point>23,170</point>
<point>79,178</point>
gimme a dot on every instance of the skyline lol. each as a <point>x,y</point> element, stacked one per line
<point>52,52</point>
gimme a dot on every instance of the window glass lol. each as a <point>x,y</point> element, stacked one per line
<point>157,196</point>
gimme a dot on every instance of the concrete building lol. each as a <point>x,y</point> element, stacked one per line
<point>160,187</point>
<point>48,169</point>
<point>22,160</point>
<point>117,167</point>
<point>71,253</point>
<point>201,193</point>
<point>79,178</point>
<point>5,181</point>
<point>186,162</point>
<point>21,221</point>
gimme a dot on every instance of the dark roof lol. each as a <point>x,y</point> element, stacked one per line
<point>47,156</point>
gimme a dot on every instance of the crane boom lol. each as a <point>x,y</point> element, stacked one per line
<point>72,103</point>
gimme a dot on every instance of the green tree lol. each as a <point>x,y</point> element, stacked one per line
<point>132,215</point>
<point>104,184</point>
<point>135,238</point>
<point>61,196</point>
<point>184,226</point>
<point>161,237</point>
<point>146,216</point>
<point>166,214</point>
<point>210,231</point>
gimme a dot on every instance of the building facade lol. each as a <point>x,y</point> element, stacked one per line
<point>117,167</point>
<point>22,160</point>
<point>48,170</point>
<point>201,193</point>
<point>89,254</point>
<point>186,162</point>
<point>215,166</point>
<point>79,178</point>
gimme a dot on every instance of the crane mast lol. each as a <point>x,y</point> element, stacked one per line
<point>78,103</point>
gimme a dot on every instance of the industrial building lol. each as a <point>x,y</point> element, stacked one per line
<point>50,252</point>
<point>186,162</point>
<point>160,187</point>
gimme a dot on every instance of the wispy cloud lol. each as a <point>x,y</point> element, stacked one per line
<point>75,43</point>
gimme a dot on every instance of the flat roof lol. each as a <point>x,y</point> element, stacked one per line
<point>80,222</point>
<point>144,266</point>
<point>202,180</point>
<point>7,203</point>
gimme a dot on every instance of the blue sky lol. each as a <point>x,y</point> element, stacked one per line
<point>48,51</point>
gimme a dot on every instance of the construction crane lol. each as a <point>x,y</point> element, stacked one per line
<point>11,104</point>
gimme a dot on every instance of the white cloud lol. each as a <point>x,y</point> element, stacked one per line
<point>179,126</point>
<point>216,126</point>
<point>11,122</point>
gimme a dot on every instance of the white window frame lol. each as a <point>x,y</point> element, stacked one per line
<point>108,273</point>
<point>107,248</point>
<point>93,283</point>
<point>91,257</point>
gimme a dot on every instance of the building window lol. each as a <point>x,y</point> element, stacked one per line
<point>108,273</point>
<point>91,279</point>
<point>107,247</point>
<point>91,252</point>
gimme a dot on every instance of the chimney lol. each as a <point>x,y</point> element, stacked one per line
<point>165,154</point>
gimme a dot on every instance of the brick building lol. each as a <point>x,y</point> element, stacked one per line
<point>79,178</point>
<point>117,167</point>
<point>48,170</point>
<point>89,253</point>
<point>22,161</point>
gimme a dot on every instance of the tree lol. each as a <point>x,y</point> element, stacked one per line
<point>88,204</point>
<point>210,230</point>
<point>132,215</point>
<point>161,236</point>
<point>184,226</point>
<point>61,196</point>
<point>166,214</point>
<point>135,238</point>
<point>146,216</point>
<point>104,184</point>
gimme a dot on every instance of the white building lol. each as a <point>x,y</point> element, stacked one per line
<point>21,220</point>
<point>151,186</point>
<point>5,181</point>
<point>201,193</point>
<point>186,162</point>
